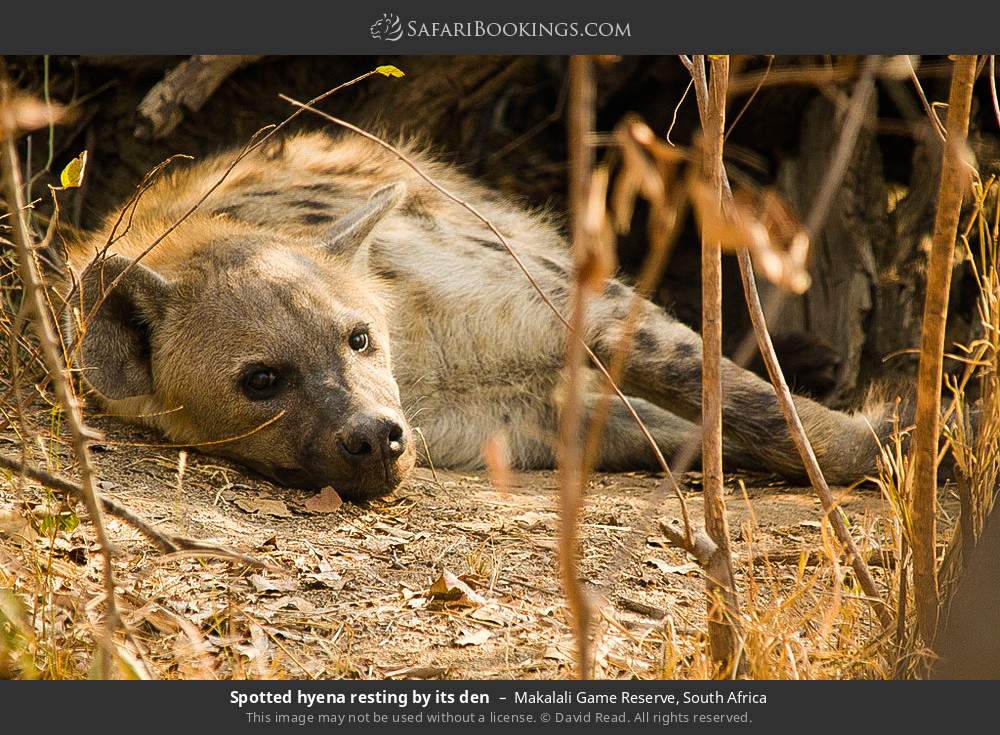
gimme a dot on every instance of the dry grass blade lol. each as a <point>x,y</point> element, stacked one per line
<point>81,435</point>
<point>923,497</point>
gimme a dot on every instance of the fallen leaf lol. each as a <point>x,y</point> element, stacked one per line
<point>16,527</point>
<point>331,580</point>
<point>417,672</point>
<point>493,612</point>
<point>450,588</point>
<point>263,584</point>
<point>290,603</point>
<point>557,652</point>
<point>532,518</point>
<point>473,637</point>
<point>264,506</point>
<point>326,501</point>
<point>668,568</point>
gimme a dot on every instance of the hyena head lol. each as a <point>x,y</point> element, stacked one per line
<point>266,349</point>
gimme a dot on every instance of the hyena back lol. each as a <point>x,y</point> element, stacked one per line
<point>324,297</point>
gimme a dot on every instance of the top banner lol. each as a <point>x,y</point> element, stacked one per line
<point>510,27</point>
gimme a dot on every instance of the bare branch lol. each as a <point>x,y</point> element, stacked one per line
<point>187,86</point>
<point>723,606</point>
<point>802,443</point>
<point>924,453</point>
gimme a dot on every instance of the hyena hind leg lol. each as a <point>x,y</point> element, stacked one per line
<point>625,447</point>
<point>664,368</point>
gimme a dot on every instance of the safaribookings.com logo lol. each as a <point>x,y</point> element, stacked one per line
<point>387,28</point>
<point>390,28</point>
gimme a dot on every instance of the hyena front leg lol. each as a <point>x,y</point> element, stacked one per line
<point>664,367</point>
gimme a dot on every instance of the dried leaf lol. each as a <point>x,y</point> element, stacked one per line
<point>765,234</point>
<point>496,457</point>
<point>264,506</point>
<point>473,637</point>
<point>326,501</point>
<point>668,568</point>
<point>16,527</point>
<point>290,603</point>
<point>417,672</point>
<point>533,519</point>
<point>450,588</point>
<point>493,612</point>
<point>263,584</point>
<point>23,113</point>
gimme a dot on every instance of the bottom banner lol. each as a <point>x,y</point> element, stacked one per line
<point>455,706</point>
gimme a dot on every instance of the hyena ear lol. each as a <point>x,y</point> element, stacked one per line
<point>349,237</point>
<point>116,352</point>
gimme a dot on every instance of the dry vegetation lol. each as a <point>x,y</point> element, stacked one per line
<point>206,572</point>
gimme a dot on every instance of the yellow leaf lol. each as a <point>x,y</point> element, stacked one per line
<point>72,176</point>
<point>390,71</point>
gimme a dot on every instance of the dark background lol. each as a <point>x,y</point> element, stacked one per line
<point>502,120</point>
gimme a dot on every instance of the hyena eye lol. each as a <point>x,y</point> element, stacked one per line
<point>358,340</point>
<point>260,383</point>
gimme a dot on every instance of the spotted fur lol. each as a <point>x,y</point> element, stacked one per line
<point>467,347</point>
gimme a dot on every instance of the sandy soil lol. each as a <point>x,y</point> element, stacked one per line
<point>370,590</point>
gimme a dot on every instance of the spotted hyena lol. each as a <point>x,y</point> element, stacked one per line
<point>325,299</point>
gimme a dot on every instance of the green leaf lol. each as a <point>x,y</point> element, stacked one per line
<point>390,71</point>
<point>65,521</point>
<point>72,176</point>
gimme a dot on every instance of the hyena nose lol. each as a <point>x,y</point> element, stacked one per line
<point>373,439</point>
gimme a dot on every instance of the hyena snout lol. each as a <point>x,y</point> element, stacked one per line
<point>372,440</point>
<point>368,455</point>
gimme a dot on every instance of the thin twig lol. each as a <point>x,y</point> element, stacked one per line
<point>802,443</point>
<point>993,87</point>
<point>165,542</point>
<point>841,156</point>
<point>935,120</point>
<point>750,99</point>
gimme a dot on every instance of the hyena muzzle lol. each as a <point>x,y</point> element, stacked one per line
<point>324,298</point>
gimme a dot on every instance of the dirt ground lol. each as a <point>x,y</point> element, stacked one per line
<point>370,590</point>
